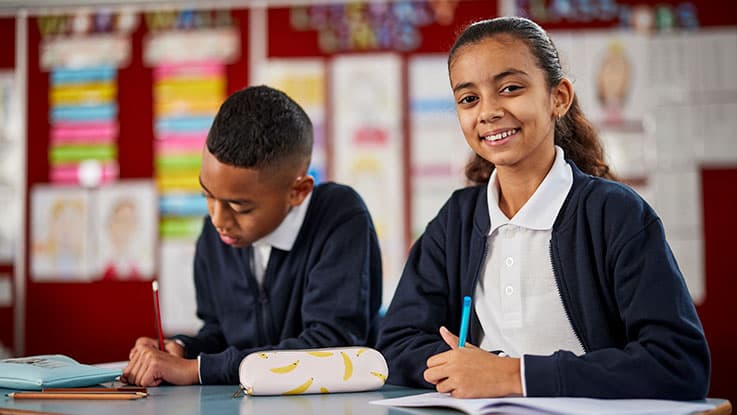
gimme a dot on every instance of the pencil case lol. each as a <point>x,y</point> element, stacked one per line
<point>326,370</point>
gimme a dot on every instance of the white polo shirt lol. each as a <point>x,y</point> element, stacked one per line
<point>517,299</point>
<point>282,237</point>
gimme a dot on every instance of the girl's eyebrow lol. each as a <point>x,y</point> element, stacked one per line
<point>498,77</point>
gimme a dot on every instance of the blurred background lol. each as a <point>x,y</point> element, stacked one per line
<point>105,106</point>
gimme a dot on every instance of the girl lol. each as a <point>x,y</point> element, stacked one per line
<point>571,275</point>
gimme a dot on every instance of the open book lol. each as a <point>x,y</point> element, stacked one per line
<point>550,406</point>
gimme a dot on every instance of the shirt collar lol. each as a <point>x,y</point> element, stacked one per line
<point>285,234</point>
<point>542,208</point>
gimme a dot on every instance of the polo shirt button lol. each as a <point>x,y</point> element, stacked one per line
<point>509,261</point>
<point>509,290</point>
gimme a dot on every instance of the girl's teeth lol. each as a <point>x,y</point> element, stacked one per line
<point>499,136</point>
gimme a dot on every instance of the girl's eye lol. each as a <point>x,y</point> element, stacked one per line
<point>467,99</point>
<point>511,88</point>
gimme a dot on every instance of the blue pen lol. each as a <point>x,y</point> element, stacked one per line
<point>464,321</point>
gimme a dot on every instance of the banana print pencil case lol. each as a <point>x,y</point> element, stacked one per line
<point>327,370</point>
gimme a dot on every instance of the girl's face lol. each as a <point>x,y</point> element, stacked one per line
<point>505,108</point>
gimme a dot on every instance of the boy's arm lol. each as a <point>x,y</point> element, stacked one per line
<point>336,308</point>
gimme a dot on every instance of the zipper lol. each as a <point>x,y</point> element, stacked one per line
<point>265,321</point>
<point>567,312</point>
<point>477,275</point>
<point>261,310</point>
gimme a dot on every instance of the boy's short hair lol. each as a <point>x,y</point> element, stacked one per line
<point>260,127</point>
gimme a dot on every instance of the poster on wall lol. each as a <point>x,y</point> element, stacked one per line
<point>10,164</point>
<point>368,152</point>
<point>188,51</point>
<point>438,149</point>
<point>609,72</point>
<point>178,304</point>
<point>82,53</point>
<point>304,81</point>
<point>126,230</point>
<point>61,248</point>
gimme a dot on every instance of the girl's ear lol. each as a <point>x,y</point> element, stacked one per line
<point>562,95</point>
<point>300,189</point>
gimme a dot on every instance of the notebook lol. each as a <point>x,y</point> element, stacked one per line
<point>51,371</point>
<point>551,406</point>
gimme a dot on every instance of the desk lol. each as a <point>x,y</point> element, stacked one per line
<point>216,399</point>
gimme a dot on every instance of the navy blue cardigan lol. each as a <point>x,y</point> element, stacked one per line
<point>325,292</point>
<point>619,283</point>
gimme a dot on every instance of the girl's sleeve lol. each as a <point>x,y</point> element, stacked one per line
<point>664,352</point>
<point>409,330</point>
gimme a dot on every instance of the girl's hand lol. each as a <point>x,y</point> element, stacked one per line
<point>470,372</point>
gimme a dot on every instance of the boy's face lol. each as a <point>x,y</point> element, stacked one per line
<point>247,204</point>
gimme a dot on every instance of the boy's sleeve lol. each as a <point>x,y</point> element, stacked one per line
<point>337,302</point>
<point>409,331</point>
<point>209,338</point>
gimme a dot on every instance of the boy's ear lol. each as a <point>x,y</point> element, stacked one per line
<point>562,97</point>
<point>300,189</point>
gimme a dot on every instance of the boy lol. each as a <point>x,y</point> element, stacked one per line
<point>280,263</point>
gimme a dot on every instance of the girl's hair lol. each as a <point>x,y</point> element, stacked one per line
<point>573,132</point>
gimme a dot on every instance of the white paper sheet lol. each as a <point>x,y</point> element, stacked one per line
<point>568,406</point>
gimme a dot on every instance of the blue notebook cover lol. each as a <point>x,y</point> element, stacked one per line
<point>51,371</point>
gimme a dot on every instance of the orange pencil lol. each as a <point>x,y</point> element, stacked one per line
<point>125,389</point>
<point>157,311</point>
<point>75,395</point>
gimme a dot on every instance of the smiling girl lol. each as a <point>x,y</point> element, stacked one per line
<point>570,272</point>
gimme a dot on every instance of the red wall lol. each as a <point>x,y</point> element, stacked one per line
<point>719,311</point>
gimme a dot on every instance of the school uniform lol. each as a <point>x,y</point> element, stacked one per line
<point>628,327</point>
<point>314,282</point>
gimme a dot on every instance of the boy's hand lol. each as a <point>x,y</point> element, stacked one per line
<point>470,372</point>
<point>148,366</point>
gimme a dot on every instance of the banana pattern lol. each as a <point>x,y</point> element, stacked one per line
<point>320,354</point>
<point>379,375</point>
<point>285,369</point>
<point>348,366</point>
<point>328,370</point>
<point>301,388</point>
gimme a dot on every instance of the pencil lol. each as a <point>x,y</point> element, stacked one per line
<point>464,321</point>
<point>157,311</point>
<point>128,389</point>
<point>77,395</point>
